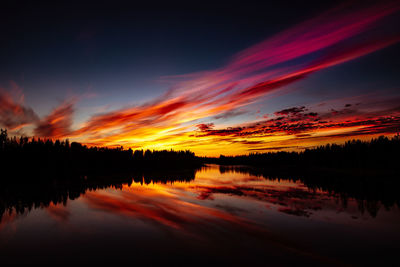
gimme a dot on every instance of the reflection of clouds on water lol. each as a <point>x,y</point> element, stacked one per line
<point>156,205</point>
<point>303,194</point>
<point>59,212</point>
<point>180,200</point>
<point>7,219</point>
<point>8,227</point>
<point>295,201</point>
<point>233,213</point>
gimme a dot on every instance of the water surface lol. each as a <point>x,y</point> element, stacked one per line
<point>216,214</point>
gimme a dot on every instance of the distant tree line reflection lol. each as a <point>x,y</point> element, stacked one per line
<point>370,191</point>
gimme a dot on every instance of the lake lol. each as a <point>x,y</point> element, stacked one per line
<point>215,214</point>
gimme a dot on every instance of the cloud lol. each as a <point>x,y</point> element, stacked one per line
<point>288,111</point>
<point>274,148</point>
<point>58,123</point>
<point>14,115</point>
<point>300,122</point>
<point>205,127</point>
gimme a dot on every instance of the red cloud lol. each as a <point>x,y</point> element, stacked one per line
<point>58,123</point>
<point>14,115</point>
<point>205,127</point>
<point>297,121</point>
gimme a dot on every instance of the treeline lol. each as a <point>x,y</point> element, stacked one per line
<point>41,158</point>
<point>380,154</point>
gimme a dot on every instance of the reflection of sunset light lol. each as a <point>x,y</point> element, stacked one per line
<point>58,212</point>
<point>7,219</point>
<point>160,203</point>
<point>180,205</point>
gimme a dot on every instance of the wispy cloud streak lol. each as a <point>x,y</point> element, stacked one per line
<point>58,123</point>
<point>13,114</point>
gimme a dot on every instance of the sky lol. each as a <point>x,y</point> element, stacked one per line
<point>228,78</point>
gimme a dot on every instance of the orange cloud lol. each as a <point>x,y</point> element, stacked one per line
<point>14,115</point>
<point>58,123</point>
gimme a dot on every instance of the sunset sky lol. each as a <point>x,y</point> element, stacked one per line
<point>230,78</point>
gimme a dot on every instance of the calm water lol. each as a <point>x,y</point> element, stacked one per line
<point>219,216</point>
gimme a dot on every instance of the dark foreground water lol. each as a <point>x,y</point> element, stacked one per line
<point>220,215</point>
